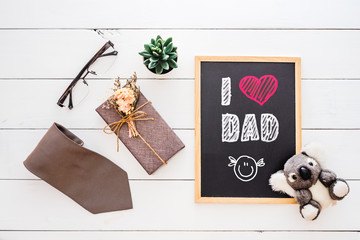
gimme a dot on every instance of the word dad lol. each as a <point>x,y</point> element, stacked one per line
<point>250,132</point>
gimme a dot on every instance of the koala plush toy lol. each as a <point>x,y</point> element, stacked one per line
<point>313,187</point>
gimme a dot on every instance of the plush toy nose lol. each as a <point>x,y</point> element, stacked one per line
<point>305,173</point>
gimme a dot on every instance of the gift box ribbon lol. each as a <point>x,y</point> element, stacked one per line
<point>129,119</point>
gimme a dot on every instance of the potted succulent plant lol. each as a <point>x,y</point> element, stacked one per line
<point>160,56</point>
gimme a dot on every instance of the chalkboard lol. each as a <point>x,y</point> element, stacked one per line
<point>247,125</point>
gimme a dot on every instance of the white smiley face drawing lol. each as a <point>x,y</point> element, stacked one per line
<point>245,167</point>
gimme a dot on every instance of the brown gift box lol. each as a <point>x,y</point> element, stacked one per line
<point>156,132</point>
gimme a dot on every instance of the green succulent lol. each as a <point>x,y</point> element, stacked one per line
<point>160,55</point>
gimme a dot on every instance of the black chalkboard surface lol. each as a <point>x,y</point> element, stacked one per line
<point>247,125</point>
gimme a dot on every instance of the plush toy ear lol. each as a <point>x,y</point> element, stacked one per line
<point>316,151</point>
<point>278,183</point>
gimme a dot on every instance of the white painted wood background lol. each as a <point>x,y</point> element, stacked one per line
<point>43,45</point>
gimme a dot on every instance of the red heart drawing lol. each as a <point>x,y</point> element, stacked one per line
<point>259,90</point>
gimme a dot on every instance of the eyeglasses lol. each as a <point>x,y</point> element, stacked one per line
<point>77,91</point>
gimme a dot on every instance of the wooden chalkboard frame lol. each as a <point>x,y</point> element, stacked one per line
<point>198,61</point>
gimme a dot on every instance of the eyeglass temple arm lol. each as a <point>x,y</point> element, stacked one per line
<point>113,53</point>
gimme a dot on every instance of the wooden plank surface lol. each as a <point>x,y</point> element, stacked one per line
<point>176,235</point>
<point>325,103</point>
<point>165,14</point>
<point>162,205</point>
<point>341,155</point>
<point>62,53</point>
<point>44,44</point>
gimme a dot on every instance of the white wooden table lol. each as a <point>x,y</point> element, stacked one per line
<point>43,45</point>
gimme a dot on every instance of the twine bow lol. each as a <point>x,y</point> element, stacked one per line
<point>129,119</point>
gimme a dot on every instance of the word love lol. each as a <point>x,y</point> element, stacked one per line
<point>250,132</point>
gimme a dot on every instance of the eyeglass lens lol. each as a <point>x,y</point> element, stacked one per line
<point>98,65</point>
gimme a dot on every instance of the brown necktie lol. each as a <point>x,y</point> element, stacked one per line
<point>88,178</point>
